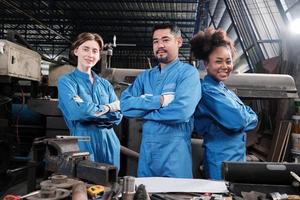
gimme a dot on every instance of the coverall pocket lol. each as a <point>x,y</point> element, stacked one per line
<point>104,98</point>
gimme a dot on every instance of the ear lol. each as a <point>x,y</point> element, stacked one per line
<point>76,52</point>
<point>206,64</point>
<point>179,41</point>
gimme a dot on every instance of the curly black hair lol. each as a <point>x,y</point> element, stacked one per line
<point>204,42</point>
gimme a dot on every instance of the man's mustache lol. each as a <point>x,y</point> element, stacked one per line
<point>163,50</point>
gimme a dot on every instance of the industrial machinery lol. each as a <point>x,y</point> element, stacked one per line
<point>264,177</point>
<point>263,92</point>
<point>20,70</point>
<point>64,157</point>
<point>260,90</point>
<point>18,61</point>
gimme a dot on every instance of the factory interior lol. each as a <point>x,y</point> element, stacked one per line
<point>40,159</point>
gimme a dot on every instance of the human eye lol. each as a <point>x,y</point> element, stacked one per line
<point>166,40</point>
<point>229,62</point>
<point>155,41</point>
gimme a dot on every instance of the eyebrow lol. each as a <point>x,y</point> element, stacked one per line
<point>164,37</point>
<point>89,47</point>
<point>220,58</point>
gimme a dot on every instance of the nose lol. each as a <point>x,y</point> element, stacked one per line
<point>90,53</point>
<point>160,43</point>
<point>224,65</point>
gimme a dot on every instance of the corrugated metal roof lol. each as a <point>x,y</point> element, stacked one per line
<point>50,25</point>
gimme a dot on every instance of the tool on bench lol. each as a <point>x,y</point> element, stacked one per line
<point>17,197</point>
<point>95,191</point>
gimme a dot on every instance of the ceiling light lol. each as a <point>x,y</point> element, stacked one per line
<point>295,26</point>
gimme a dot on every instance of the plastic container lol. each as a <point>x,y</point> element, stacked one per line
<point>296,124</point>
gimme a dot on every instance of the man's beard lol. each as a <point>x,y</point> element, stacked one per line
<point>163,60</point>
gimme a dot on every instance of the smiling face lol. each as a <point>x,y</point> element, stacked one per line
<point>88,54</point>
<point>219,63</point>
<point>166,46</point>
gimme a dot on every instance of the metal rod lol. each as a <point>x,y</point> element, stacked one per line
<point>79,192</point>
<point>37,21</point>
<point>295,176</point>
<point>128,152</point>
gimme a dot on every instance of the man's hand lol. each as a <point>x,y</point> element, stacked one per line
<point>105,110</point>
<point>114,106</point>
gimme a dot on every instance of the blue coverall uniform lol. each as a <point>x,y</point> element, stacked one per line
<point>222,119</point>
<point>81,117</point>
<point>166,141</point>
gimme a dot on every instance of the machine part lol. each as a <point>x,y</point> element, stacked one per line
<point>141,193</point>
<point>79,138</point>
<point>4,99</point>
<point>56,123</point>
<point>50,193</point>
<point>56,71</point>
<point>128,184</point>
<point>18,61</point>
<point>99,173</point>
<point>260,172</point>
<point>48,107</point>
<point>128,152</point>
<point>2,47</point>
<point>277,196</point>
<point>60,181</point>
<point>63,145</point>
<point>113,193</point>
<point>79,192</point>
<point>254,85</point>
<point>5,155</point>
<point>95,191</point>
<point>295,176</point>
<point>128,188</point>
<point>63,157</point>
<point>16,197</point>
<point>246,85</point>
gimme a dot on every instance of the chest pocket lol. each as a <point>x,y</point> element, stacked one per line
<point>84,93</point>
<point>103,97</point>
<point>96,94</point>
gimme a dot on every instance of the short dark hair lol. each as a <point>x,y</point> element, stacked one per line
<point>173,27</point>
<point>204,42</point>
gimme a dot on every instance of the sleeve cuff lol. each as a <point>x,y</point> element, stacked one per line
<point>156,101</point>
